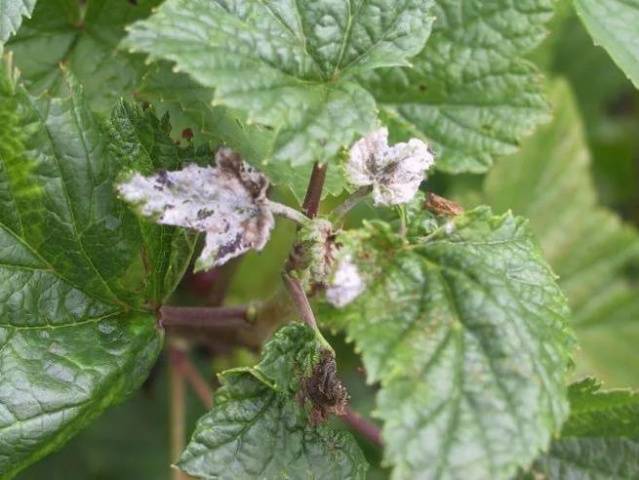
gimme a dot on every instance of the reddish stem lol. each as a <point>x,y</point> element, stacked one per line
<point>364,427</point>
<point>300,300</point>
<point>183,365</point>
<point>314,190</point>
<point>221,317</point>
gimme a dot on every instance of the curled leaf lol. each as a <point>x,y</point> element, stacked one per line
<point>227,202</point>
<point>394,172</point>
<point>346,284</point>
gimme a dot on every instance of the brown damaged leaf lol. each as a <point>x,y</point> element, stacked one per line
<point>324,390</point>
<point>442,206</point>
<point>227,202</point>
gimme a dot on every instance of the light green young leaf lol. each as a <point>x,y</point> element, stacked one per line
<point>588,246</point>
<point>600,441</point>
<point>465,328</point>
<point>469,91</point>
<point>289,65</point>
<point>83,36</point>
<point>76,333</point>
<point>614,24</point>
<point>258,429</point>
<point>11,14</point>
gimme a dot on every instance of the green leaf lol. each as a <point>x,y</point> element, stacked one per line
<point>587,245</point>
<point>470,91</point>
<point>258,428</point>
<point>600,440</point>
<point>11,13</point>
<point>613,24</point>
<point>191,103</point>
<point>289,65</point>
<point>83,36</point>
<point>138,140</point>
<point>76,334</point>
<point>465,328</point>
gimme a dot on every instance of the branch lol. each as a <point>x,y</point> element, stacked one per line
<point>181,362</point>
<point>303,306</point>
<point>177,415</point>
<point>364,427</point>
<point>300,300</point>
<point>314,190</point>
<point>356,197</point>
<point>287,212</point>
<point>215,317</point>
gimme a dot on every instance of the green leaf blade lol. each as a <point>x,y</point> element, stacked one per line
<point>599,441</point>
<point>288,64</point>
<point>469,91</point>
<point>467,334</point>
<point>588,246</point>
<point>11,15</point>
<point>77,330</point>
<point>84,38</point>
<point>57,378</point>
<point>258,427</point>
<point>613,25</point>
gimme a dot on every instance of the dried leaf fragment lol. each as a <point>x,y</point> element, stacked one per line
<point>395,172</point>
<point>227,202</point>
<point>325,391</point>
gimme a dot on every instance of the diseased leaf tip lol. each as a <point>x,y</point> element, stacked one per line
<point>346,284</point>
<point>395,172</point>
<point>227,202</point>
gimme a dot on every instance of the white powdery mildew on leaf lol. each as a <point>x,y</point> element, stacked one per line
<point>395,172</point>
<point>227,202</point>
<point>346,284</point>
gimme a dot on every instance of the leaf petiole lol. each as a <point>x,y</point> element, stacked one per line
<point>352,201</point>
<point>287,212</point>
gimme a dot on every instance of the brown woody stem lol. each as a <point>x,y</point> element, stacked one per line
<point>364,427</point>
<point>314,190</point>
<point>222,317</point>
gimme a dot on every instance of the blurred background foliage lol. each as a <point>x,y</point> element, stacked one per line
<point>576,179</point>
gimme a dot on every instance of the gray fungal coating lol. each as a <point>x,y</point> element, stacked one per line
<point>394,172</point>
<point>227,202</point>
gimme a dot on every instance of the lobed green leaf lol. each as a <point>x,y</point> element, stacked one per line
<point>599,441</point>
<point>289,65</point>
<point>77,328</point>
<point>588,246</point>
<point>470,91</point>
<point>465,328</point>
<point>84,37</point>
<point>258,427</point>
